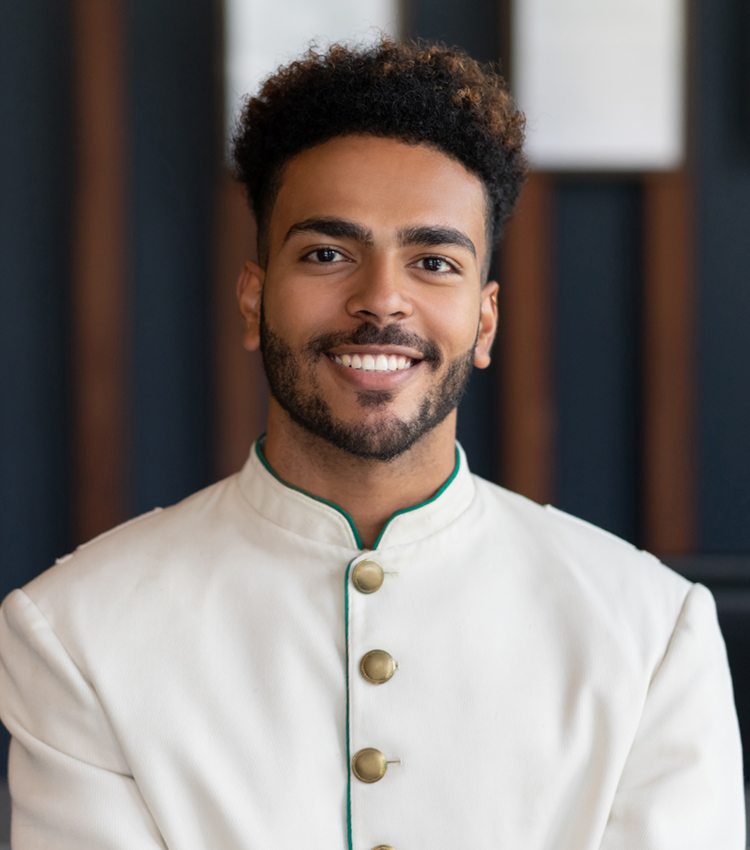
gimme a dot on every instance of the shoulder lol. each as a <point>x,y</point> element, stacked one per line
<point>137,557</point>
<point>594,570</point>
<point>569,539</point>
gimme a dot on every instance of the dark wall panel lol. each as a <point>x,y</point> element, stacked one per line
<point>724,273</point>
<point>597,280</point>
<point>35,182</point>
<point>174,130</point>
<point>473,25</point>
<point>478,422</point>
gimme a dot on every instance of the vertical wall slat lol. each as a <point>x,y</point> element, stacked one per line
<point>35,212</point>
<point>241,401</point>
<point>668,488</point>
<point>99,304</point>
<point>35,166</point>
<point>173,145</point>
<point>723,293</point>
<point>525,347</point>
<point>598,234</point>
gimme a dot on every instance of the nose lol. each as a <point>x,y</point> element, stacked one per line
<point>379,292</point>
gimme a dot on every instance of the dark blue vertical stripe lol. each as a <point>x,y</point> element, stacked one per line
<point>35,182</point>
<point>596,363</point>
<point>473,25</point>
<point>174,134</point>
<point>724,278</point>
<point>478,423</point>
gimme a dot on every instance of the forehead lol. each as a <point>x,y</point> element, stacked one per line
<point>385,184</point>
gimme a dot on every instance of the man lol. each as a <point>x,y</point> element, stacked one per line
<point>354,643</point>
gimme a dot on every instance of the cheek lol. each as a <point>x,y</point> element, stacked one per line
<point>453,322</point>
<point>296,311</point>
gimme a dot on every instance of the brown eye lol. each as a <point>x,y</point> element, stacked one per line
<point>323,255</point>
<point>436,264</point>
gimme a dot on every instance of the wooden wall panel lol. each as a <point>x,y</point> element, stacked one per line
<point>241,394</point>
<point>99,334</point>
<point>668,303</point>
<point>525,345</point>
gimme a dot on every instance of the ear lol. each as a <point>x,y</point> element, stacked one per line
<point>249,292</point>
<point>487,325</point>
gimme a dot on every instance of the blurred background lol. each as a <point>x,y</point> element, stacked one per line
<point>620,390</point>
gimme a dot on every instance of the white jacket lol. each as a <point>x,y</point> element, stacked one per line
<point>191,680</point>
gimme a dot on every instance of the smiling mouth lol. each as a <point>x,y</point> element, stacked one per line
<point>374,363</point>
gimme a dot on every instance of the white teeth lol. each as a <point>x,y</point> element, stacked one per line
<point>374,363</point>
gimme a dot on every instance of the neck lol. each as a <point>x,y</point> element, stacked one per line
<point>369,491</point>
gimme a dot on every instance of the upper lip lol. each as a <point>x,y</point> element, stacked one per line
<point>374,350</point>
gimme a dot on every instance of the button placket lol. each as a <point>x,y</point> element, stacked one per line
<point>368,765</point>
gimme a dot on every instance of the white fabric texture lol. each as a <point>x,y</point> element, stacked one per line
<point>189,680</point>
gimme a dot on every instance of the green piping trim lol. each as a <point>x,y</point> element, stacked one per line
<point>357,538</point>
<point>445,486</point>
<point>265,463</point>
<point>343,513</point>
<point>348,749</point>
<point>421,504</point>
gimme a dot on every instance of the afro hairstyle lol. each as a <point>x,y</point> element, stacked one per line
<point>415,92</point>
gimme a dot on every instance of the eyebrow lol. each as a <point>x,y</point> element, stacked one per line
<point>434,236</point>
<point>336,228</point>
<point>341,228</point>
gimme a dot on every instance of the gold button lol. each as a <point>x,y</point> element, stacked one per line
<point>383,847</point>
<point>369,765</point>
<point>377,666</point>
<point>367,576</point>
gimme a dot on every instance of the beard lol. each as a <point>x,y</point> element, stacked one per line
<point>299,394</point>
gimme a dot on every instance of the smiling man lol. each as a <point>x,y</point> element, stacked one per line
<point>353,642</point>
<point>371,312</point>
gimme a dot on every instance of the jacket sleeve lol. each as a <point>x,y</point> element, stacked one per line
<point>70,784</point>
<point>682,787</point>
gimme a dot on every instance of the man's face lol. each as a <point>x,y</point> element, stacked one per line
<point>372,295</point>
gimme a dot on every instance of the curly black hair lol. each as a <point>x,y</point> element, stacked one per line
<point>414,92</point>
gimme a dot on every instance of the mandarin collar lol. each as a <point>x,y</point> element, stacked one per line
<point>324,522</point>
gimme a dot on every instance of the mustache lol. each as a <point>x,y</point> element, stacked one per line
<point>369,334</point>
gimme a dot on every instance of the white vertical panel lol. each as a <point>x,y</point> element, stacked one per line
<point>602,82</point>
<point>263,34</point>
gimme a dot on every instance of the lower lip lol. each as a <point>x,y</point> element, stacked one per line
<point>372,380</point>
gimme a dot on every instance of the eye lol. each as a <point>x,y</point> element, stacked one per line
<point>437,265</point>
<point>323,255</point>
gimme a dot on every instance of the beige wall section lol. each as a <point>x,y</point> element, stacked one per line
<point>241,401</point>
<point>602,83</point>
<point>260,36</point>
<point>98,298</point>
<point>525,347</point>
